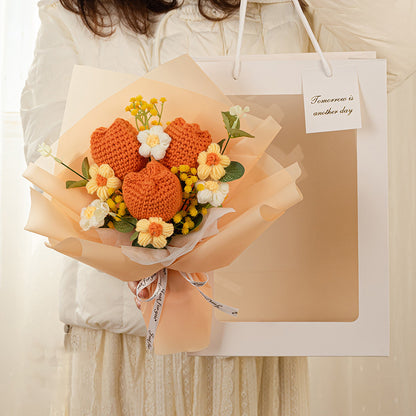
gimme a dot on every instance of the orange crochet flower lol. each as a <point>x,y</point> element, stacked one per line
<point>188,141</point>
<point>153,192</point>
<point>118,147</point>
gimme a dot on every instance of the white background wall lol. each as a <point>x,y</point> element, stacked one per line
<point>31,335</point>
<point>384,386</point>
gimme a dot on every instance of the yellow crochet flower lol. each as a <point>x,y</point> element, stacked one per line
<point>153,231</point>
<point>103,181</point>
<point>212,163</point>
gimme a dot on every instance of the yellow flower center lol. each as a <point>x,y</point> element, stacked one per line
<point>152,140</point>
<point>212,186</point>
<point>89,212</point>
<point>213,159</point>
<point>155,229</point>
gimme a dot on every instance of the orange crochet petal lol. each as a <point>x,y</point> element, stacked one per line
<point>188,141</point>
<point>117,146</point>
<point>153,192</point>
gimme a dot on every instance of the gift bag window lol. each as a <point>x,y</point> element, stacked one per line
<point>306,264</point>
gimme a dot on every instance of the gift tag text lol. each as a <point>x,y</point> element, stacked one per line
<point>331,103</point>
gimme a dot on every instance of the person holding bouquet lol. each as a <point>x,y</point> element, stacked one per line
<point>110,370</point>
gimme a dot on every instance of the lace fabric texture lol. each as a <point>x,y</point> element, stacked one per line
<point>112,374</point>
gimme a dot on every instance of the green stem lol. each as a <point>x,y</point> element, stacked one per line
<point>160,114</point>
<point>226,143</point>
<point>141,119</point>
<point>146,121</point>
<point>72,170</point>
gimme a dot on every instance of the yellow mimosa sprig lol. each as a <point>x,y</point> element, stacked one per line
<point>146,113</point>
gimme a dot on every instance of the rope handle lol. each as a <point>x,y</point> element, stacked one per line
<point>237,60</point>
<point>242,20</point>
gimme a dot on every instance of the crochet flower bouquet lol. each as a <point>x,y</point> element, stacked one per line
<point>164,191</point>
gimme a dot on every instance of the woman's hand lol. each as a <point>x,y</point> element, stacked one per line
<point>144,293</point>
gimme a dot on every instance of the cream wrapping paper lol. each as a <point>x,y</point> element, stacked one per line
<point>264,193</point>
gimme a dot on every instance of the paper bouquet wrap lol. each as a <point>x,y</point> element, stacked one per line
<point>163,200</point>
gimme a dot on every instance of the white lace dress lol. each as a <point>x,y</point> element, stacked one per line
<point>109,374</point>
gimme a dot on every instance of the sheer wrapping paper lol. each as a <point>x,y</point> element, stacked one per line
<point>265,192</point>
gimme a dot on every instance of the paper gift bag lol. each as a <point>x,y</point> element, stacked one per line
<point>316,283</point>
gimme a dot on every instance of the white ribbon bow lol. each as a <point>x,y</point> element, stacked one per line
<point>161,277</point>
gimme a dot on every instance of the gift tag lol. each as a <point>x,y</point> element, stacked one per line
<point>331,103</point>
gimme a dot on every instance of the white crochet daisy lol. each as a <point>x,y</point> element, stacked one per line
<point>213,193</point>
<point>94,215</point>
<point>238,111</point>
<point>154,142</point>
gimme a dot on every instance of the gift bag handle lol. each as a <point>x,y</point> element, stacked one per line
<point>243,9</point>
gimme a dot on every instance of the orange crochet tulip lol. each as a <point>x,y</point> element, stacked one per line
<point>153,192</point>
<point>118,147</point>
<point>188,141</point>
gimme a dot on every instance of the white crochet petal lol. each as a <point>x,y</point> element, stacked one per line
<point>157,130</point>
<point>158,152</point>
<point>217,199</point>
<point>142,136</point>
<point>165,139</point>
<point>204,196</point>
<point>145,150</point>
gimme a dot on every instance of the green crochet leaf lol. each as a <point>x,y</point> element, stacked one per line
<point>234,171</point>
<point>123,226</point>
<point>76,184</point>
<point>86,168</point>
